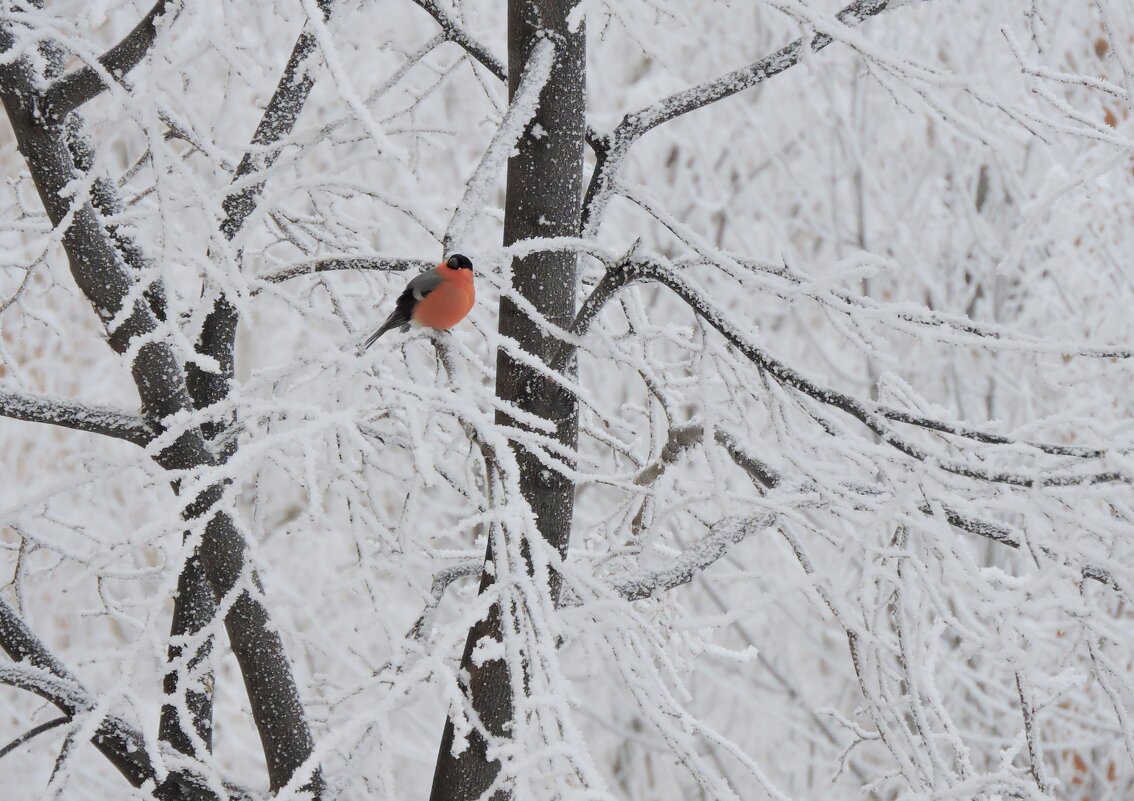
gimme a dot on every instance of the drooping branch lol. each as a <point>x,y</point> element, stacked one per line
<point>78,416</point>
<point>766,476</point>
<point>73,90</point>
<point>615,146</point>
<point>876,417</point>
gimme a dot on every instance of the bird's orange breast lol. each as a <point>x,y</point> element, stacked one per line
<point>449,303</point>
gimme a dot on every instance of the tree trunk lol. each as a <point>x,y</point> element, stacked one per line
<point>543,200</point>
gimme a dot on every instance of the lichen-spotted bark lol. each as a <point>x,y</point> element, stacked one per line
<point>543,200</point>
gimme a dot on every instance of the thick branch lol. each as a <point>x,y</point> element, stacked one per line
<point>218,332</point>
<point>75,89</point>
<point>616,145</point>
<point>78,416</point>
<point>134,330</point>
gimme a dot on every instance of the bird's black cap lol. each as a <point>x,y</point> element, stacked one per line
<point>459,262</point>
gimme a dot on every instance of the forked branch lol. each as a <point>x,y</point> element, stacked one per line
<point>76,88</point>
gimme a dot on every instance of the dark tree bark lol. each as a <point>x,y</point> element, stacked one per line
<point>543,200</point>
<point>102,266</point>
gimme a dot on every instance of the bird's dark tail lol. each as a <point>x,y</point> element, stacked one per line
<point>399,319</point>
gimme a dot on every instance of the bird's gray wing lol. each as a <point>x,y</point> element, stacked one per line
<point>423,284</point>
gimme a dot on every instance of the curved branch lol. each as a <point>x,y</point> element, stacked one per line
<point>75,89</point>
<point>32,733</point>
<point>614,147</point>
<point>78,416</point>
<point>874,416</point>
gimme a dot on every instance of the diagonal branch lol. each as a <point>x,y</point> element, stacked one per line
<point>78,416</point>
<point>38,671</point>
<point>616,145</point>
<point>457,34</point>
<point>693,560</point>
<point>218,332</point>
<point>76,88</point>
<point>876,417</point>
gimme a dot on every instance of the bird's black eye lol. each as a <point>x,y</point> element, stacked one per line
<point>459,262</point>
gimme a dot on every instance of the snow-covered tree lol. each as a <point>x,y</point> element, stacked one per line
<point>786,453</point>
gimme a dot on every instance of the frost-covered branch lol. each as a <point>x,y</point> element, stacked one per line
<point>73,90</point>
<point>521,110</point>
<point>693,560</point>
<point>764,475</point>
<point>36,670</point>
<point>134,331</point>
<point>615,145</point>
<point>392,264</point>
<point>441,582</point>
<point>79,416</point>
<point>32,733</point>
<point>456,33</point>
<point>874,416</point>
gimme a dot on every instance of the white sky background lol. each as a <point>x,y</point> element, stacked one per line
<point>935,215</point>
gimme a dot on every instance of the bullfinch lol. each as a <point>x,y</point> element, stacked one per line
<point>438,299</point>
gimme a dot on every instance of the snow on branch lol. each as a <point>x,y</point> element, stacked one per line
<point>391,264</point>
<point>276,123</point>
<point>767,476</point>
<point>79,416</point>
<point>457,34</point>
<point>36,670</point>
<point>694,559</point>
<point>613,147</point>
<point>521,111</point>
<point>86,83</point>
<point>876,417</point>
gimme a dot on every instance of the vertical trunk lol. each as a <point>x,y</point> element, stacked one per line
<point>543,200</point>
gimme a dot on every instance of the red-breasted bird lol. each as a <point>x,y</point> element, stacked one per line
<point>438,298</point>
